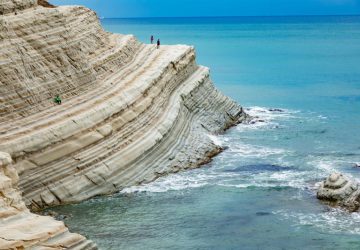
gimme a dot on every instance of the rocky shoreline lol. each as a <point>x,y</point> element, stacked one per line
<point>130,113</point>
<point>339,190</point>
<point>20,229</point>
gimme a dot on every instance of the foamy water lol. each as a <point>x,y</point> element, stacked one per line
<point>332,221</point>
<point>285,175</point>
<point>256,166</point>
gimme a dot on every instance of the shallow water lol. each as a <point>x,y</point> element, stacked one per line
<point>260,192</point>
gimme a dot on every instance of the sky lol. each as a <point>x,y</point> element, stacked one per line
<point>196,8</point>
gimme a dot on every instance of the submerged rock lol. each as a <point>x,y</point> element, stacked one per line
<point>259,168</point>
<point>255,120</point>
<point>263,213</point>
<point>341,191</point>
<point>276,110</point>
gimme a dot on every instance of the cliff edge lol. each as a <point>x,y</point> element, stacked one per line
<point>20,229</point>
<point>130,112</point>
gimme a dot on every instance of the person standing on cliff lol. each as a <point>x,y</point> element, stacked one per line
<point>158,43</point>
<point>152,39</point>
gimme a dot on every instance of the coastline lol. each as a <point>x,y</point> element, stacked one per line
<point>302,98</point>
<point>130,112</point>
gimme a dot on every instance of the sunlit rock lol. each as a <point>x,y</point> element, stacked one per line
<point>341,191</point>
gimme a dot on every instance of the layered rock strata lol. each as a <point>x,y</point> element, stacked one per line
<point>20,229</point>
<point>339,190</point>
<point>130,112</point>
<point>13,6</point>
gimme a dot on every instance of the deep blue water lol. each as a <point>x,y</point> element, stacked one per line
<point>260,193</point>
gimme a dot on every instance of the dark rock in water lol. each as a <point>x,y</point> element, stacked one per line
<point>357,165</point>
<point>254,121</point>
<point>349,98</point>
<point>339,190</point>
<point>55,215</point>
<point>276,110</point>
<point>259,168</point>
<point>225,148</point>
<point>316,131</point>
<point>62,217</point>
<point>263,213</point>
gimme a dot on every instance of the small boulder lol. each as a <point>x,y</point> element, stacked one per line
<point>256,120</point>
<point>276,110</point>
<point>339,190</point>
<point>5,159</point>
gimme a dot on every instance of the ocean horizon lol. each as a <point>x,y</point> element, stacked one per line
<point>299,77</point>
<point>249,16</point>
<point>280,18</point>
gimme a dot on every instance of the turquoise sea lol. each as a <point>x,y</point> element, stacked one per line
<point>261,192</point>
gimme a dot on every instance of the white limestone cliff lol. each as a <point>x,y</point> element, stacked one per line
<point>339,190</point>
<point>20,229</point>
<point>130,112</point>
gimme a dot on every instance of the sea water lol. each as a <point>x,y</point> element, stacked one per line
<point>261,192</point>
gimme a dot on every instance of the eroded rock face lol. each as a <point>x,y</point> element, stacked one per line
<point>13,6</point>
<point>129,114</point>
<point>20,229</point>
<point>341,191</point>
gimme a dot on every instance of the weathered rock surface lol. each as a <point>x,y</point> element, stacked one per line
<point>340,191</point>
<point>20,229</point>
<point>13,6</point>
<point>130,112</point>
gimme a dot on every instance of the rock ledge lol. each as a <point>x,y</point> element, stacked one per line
<point>20,229</point>
<point>339,190</point>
